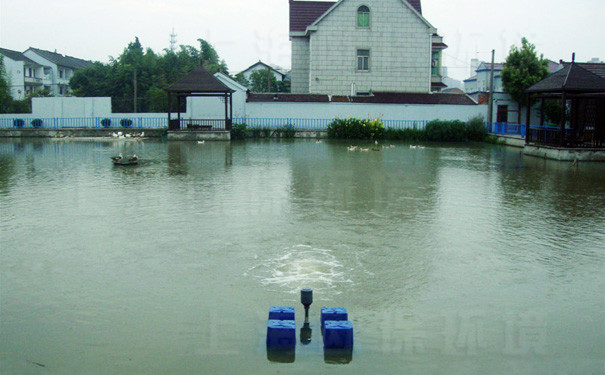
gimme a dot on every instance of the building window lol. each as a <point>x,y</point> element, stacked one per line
<point>363,16</point>
<point>363,59</point>
<point>60,73</point>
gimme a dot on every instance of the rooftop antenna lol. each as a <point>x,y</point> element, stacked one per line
<point>173,41</point>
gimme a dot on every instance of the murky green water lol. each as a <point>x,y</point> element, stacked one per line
<point>452,259</point>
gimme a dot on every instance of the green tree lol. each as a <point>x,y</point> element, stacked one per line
<point>522,69</point>
<point>154,73</point>
<point>210,59</point>
<point>263,80</point>
<point>5,93</point>
<point>241,79</point>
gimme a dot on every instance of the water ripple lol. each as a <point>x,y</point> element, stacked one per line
<point>302,266</point>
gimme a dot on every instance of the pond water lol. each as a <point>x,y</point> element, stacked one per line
<point>454,259</point>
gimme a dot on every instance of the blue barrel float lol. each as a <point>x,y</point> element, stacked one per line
<point>281,313</point>
<point>281,328</point>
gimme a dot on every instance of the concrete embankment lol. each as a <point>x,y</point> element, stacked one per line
<point>78,132</point>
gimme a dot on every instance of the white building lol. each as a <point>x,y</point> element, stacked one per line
<point>58,69</point>
<point>25,76</point>
<point>279,73</point>
<point>353,47</point>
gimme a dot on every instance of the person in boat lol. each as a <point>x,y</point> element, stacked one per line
<point>117,158</point>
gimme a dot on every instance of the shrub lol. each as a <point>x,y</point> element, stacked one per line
<point>353,128</point>
<point>287,131</point>
<point>408,134</point>
<point>476,130</point>
<point>266,132</point>
<point>106,122</point>
<point>18,123</point>
<point>37,123</point>
<point>125,122</point>
<point>447,131</point>
<point>239,131</point>
<point>255,132</point>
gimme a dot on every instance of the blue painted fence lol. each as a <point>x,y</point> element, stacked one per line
<point>84,122</point>
<point>503,128</point>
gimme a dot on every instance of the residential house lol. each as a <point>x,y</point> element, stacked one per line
<point>353,47</point>
<point>25,76</point>
<point>279,73</point>
<point>58,68</point>
<point>478,87</point>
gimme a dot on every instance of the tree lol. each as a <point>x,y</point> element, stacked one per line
<point>263,81</point>
<point>523,69</point>
<point>241,79</point>
<point>5,93</point>
<point>210,59</point>
<point>154,73</point>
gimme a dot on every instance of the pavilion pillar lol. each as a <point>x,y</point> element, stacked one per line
<point>169,106</point>
<point>178,111</point>
<point>226,112</point>
<point>527,119</point>
<point>230,110</point>
<point>564,104</point>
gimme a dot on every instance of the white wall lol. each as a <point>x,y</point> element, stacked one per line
<point>383,111</point>
<point>14,72</point>
<point>71,107</point>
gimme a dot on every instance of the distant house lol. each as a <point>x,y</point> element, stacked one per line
<point>356,48</point>
<point>25,76</point>
<point>58,69</point>
<point>280,74</point>
<point>478,87</point>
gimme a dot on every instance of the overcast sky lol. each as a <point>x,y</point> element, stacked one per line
<point>245,31</point>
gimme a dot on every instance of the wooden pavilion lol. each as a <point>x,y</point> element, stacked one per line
<point>580,88</point>
<point>199,83</point>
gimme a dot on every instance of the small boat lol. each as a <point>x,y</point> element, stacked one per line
<point>119,160</point>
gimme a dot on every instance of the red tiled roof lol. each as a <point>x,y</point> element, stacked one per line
<point>301,98</point>
<point>414,98</point>
<point>304,13</point>
<point>416,5</point>
<point>375,98</point>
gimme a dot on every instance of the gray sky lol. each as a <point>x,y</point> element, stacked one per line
<point>245,31</point>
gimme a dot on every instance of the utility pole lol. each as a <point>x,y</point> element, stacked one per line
<point>134,78</point>
<point>490,109</point>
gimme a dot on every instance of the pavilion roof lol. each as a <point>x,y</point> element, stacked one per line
<point>199,81</point>
<point>572,77</point>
